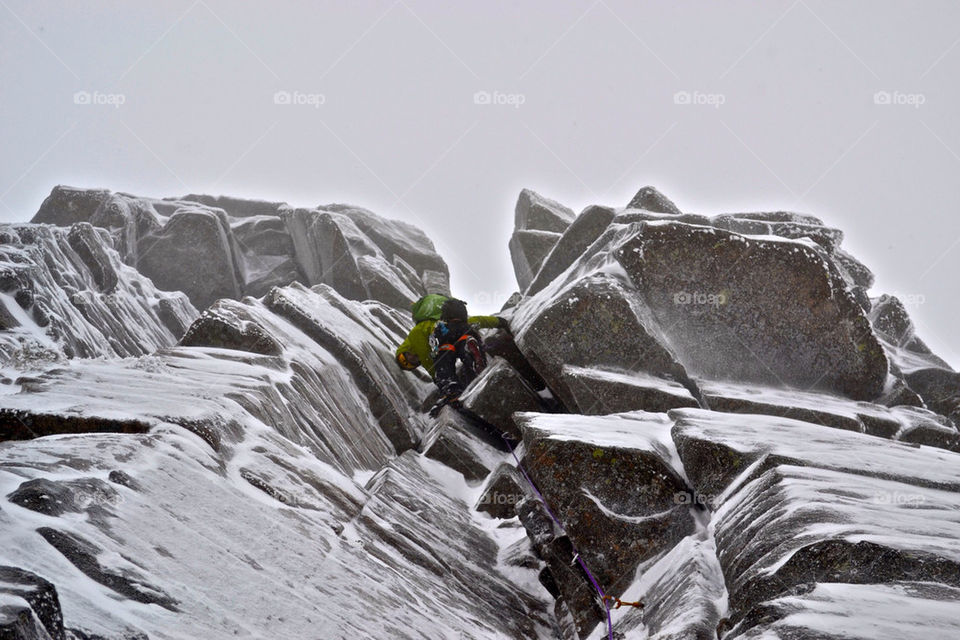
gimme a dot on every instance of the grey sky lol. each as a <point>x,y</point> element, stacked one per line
<point>399,131</point>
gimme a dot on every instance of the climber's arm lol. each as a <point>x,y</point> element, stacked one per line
<point>486,322</point>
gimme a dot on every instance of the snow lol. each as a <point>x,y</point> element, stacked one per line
<point>302,521</point>
<point>268,497</point>
<point>83,318</point>
<point>785,398</point>
<point>760,435</point>
<point>869,611</point>
<point>633,430</point>
<point>631,378</point>
<point>817,504</point>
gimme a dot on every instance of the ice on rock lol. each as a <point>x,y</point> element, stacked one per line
<point>859,612</point>
<point>798,525</point>
<point>246,478</point>
<point>219,247</point>
<point>581,233</point>
<point>773,453</point>
<point>68,294</point>
<point>538,225</point>
<point>597,391</point>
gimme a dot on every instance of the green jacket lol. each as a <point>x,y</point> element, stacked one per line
<point>418,340</point>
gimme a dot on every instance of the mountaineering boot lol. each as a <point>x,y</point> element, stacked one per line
<point>451,400</point>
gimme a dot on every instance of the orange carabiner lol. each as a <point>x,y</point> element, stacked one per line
<point>620,603</point>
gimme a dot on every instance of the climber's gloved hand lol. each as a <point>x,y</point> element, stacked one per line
<point>408,361</point>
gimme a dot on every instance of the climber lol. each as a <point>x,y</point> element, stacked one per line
<point>456,339</point>
<point>433,313</point>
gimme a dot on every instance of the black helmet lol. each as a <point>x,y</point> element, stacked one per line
<point>453,309</point>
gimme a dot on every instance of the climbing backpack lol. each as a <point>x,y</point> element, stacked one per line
<point>429,307</point>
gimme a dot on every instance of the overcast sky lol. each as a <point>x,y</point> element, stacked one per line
<point>783,113</point>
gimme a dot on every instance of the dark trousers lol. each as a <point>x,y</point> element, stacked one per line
<point>499,344</point>
<point>451,342</point>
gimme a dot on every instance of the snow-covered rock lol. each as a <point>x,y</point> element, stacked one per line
<point>498,393</point>
<point>66,293</point>
<point>717,448</point>
<point>538,224</point>
<point>685,595</point>
<point>818,408</point>
<point>612,484</point>
<point>799,525</point>
<point>857,612</point>
<point>289,466</point>
<point>781,464</point>
<point>587,227</point>
<point>649,199</point>
<point>596,391</point>
<point>763,310</point>
<point>595,321</point>
<point>455,442</point>
<point>220,247</point>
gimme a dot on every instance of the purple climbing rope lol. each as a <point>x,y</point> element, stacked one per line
<point>576,554</point>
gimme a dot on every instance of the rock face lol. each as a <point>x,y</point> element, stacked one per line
<point>756,334</point>
<point>805,329</point>
<point>528,249</point>
<point>649,199</point>
<point>218,247</point>
<point>498,393</point>
<point>539,222</point>
<point>66,293</point>
<point>594,321</point>
<point>615,492</point>
<point>281,449</point>
<point>786,528</point>
<point>588,226</point>
<point>599,392</point>
<point>29,606</point>
<point>725,304</point>
<point>732,431</point>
